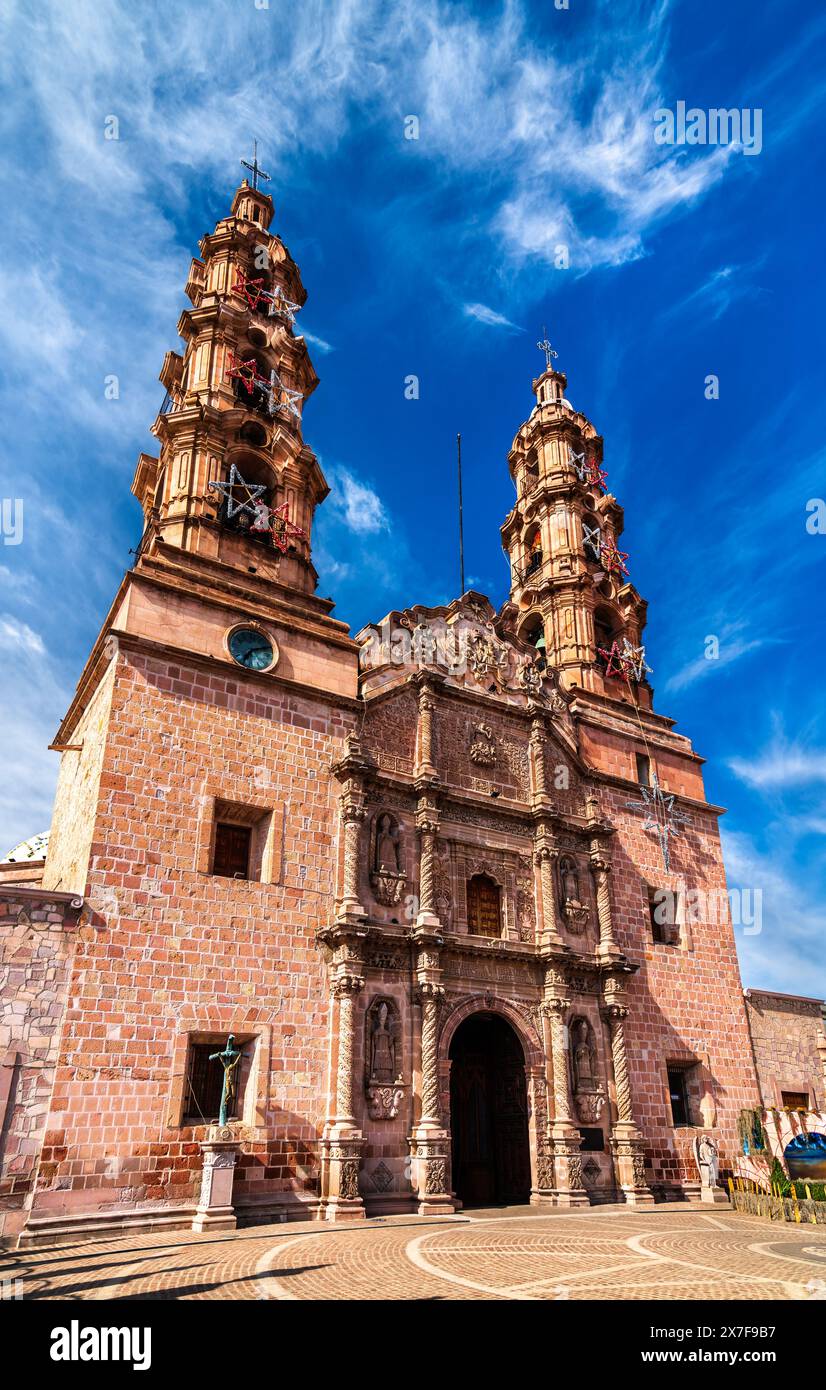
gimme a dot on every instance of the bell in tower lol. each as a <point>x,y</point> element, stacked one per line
<point>569,577</point>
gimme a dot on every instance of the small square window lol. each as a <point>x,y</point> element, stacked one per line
<point>643,769</point>
<point>795,1100</point>
<point>231,858</point>
<point>678,1094</point>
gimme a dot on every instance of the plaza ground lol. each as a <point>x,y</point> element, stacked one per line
<point>675,1251</point>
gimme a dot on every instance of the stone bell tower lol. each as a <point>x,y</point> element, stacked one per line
<point>234,482</point>
<point>568,574</point>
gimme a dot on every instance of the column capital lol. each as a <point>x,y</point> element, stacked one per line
<point>346,983</point>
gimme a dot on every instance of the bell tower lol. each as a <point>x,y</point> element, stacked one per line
<point>569,577</point>
<point>234,482</point>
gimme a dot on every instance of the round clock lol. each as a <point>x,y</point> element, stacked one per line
<point>251,648</point>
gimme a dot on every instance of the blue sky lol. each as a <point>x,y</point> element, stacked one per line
<point>435,257</point>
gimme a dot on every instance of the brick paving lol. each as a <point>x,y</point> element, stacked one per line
<point>674,1252</point>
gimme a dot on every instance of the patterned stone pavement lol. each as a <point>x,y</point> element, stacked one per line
<point>673,1252</point>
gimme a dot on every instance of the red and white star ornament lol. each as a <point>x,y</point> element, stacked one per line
<point>283,530</point>
<point>275,301</point>
<point>625,661</point>
<point>246,372</point>
<point>588,470</point>
<point>613,559</point>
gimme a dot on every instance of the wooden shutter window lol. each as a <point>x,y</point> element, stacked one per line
<point>232,851</point>
<point>484,913</point>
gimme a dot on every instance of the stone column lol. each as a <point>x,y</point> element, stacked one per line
<point>342,1144</point>
<point>344,990</point>
<point>430,1141</point>
<point>546,857</point>
<point>425,769</point>
<point>539,783</point>
<point>627,1144</point>
<point>569,1190</point>
<point>427,823</point>
<point>352,815</point>
<point>601,870</point>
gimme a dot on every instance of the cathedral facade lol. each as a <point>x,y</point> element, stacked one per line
<point>452,885</point>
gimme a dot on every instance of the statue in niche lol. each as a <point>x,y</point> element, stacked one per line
<point>384,1087</point>
<point>387,876</point>
<point>588,1093</point>
<point>387,845</point>
<point>382,1048</point>
<point>573,909</point>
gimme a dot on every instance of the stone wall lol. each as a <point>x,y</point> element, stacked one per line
<point>37,939</point>
<point>789,1043</point>
<point>176,953</point>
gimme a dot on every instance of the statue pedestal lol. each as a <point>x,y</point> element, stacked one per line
<point>215,1210</point>
<point>628,1148</point>
<point>715,1195</point>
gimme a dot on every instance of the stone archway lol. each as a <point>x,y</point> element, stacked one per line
<point>491,1161</point>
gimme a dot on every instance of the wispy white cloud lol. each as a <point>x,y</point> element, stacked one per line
<point>715,296</point>
<point>320,344</point>
<point>731,646</point>
<point>15,635</point>
<point>491,317</point>
<point>787,954</point>
<point>358,504</point>
<point>781,764</point>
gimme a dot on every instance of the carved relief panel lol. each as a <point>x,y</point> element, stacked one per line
<point>388,868</point>
<point>588,1092</point>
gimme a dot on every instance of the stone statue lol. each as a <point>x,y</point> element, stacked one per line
<point>570,881</point>
<point>707,1160</point>
<point>583,1057</point>
<point>382,1048</point>
<point>229,1059</point>
<point>387,846</point>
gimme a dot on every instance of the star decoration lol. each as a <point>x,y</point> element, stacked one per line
<point>588,470</point>
<point>280,304</point>
<point>251,290</point>
<point>253,491</point>
<point>592,540</point>
<point>660,816</point>
<point>282,398</point>
<point>625,660</point>
<point>612,558</point>
<point>245,372</point>
<point>283,530</point>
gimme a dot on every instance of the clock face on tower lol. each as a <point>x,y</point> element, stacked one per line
<point>251,649</point>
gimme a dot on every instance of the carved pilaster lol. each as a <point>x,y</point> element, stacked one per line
<point>601,870</point>
<point>627,1144</point>
<point>427,823</point>
<point>546,857</point>
<point>569,1189</point>
<point>425,769</point>
<point>539,782</point>
<point>557,1011</point>
<point>344,989</point>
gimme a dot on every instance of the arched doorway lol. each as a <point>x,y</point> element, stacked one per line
<point>489,1113</point>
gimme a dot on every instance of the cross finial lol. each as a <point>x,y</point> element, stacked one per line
<point>545,347</point>
<point>255,168</point>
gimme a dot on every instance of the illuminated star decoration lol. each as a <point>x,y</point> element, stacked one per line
<point>256,296</point>
<point>246,372</point>
<point>253,491</point>
<point>588,470</point>
<point>283,530</point>
<point>282,398</point>
<point>660,816</point>
<point>612,558</point>
<point>592,540</point>
<point>625,660</point>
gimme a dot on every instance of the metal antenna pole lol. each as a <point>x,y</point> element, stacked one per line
<point>461,523</point>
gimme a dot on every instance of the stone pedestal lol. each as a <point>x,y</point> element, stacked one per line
<point>628,1148</point>
<point>569,1189</point>
<point>341,1155</point>
<point>430,1154</point>
<point>715,1195</point>
<point>215,1210</point>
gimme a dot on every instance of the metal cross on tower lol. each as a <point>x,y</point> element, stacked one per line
<point>545,347</point>
<point>255,168</point>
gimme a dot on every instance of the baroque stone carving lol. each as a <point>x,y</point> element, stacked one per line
<point>589,1095</point>
<point>573,909</point>
<point>383,1101</point>
<point>483,746</point>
